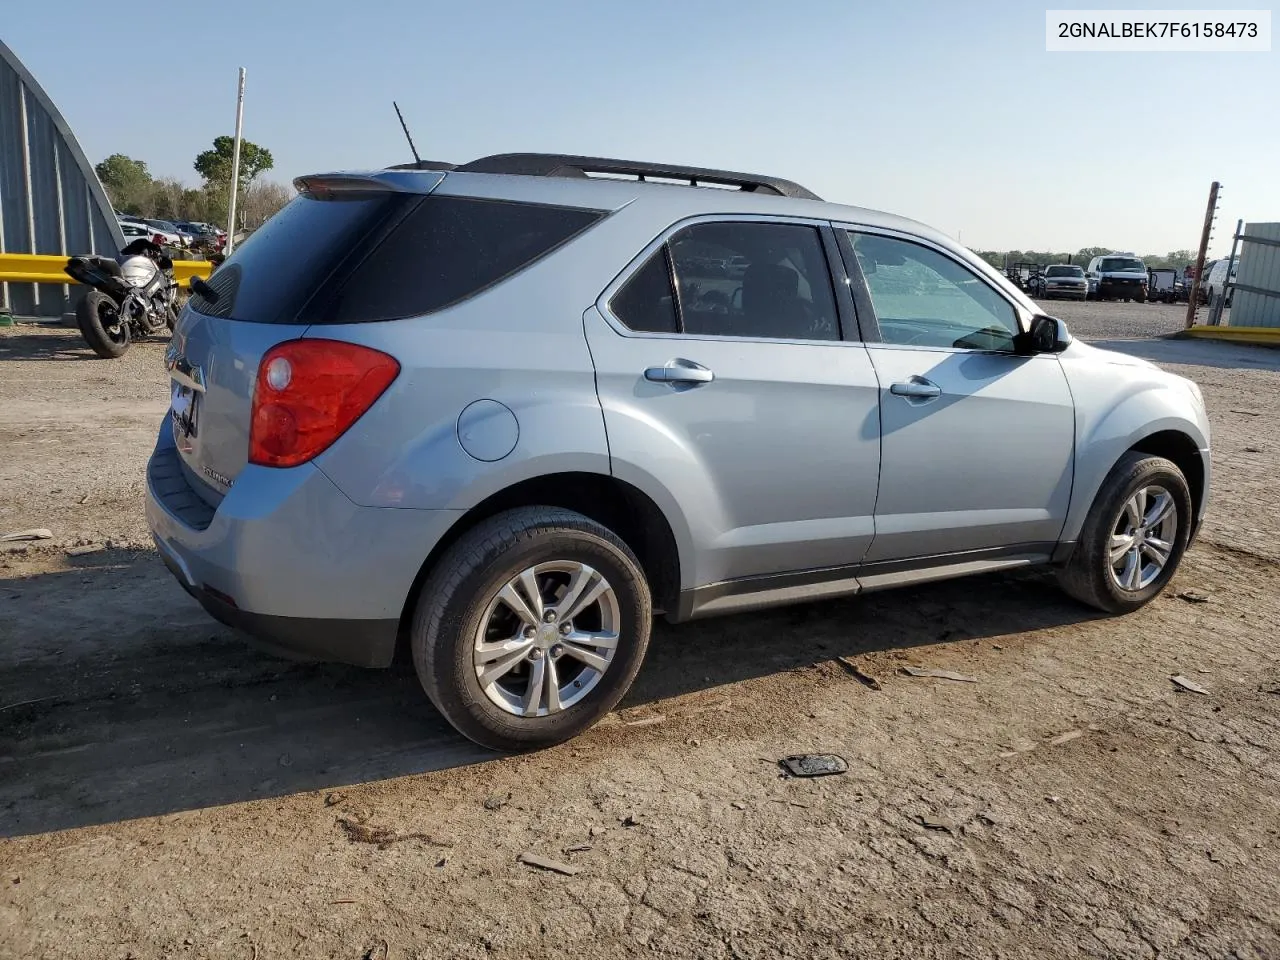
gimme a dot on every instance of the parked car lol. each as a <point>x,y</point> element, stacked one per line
<point>167,229</point>
<point>156,231</point>
<point>133,229</point>
<point>1218,276</point>
<point>1060,280</point>
<point>1118,276</point>
<point>499,436</point>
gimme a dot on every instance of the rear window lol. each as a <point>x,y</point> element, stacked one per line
<point>280,265</point>
<point>445,250</point>
<point>1064,271</point>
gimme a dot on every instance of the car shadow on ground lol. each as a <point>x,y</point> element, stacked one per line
<point>140,705</point>
<point>1201,353</point>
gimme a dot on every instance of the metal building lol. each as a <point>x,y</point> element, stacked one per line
<point>50,199</point>
<point>1255,299</point>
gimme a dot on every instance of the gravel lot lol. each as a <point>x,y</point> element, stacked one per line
<point>167,790</point>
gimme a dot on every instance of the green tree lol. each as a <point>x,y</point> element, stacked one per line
<point>127,182</point>
<point>215,164</point>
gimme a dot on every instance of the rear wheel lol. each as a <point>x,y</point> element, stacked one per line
<point>1134,536</point>
<point>102,326</point>
<point>531,627</point>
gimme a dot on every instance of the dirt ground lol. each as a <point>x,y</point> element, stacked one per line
<point>167,790</point>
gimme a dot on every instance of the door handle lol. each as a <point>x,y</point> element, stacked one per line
<point>680,371</point>
<point>917,388</point>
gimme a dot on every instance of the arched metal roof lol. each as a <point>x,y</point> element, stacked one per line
<point>50,199</point>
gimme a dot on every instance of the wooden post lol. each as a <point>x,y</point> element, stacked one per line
<point>1193,299</point>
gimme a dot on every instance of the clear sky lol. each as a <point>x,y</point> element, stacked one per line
<point>949,112</point>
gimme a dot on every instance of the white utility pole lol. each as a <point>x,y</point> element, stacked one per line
<point>235,169</point>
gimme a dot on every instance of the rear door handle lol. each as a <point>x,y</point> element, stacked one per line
<point>917,388</point>
<point>680,370</point>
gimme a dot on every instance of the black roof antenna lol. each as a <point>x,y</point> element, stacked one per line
<point>416,159</point>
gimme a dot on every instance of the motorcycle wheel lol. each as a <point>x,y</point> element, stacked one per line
<point>101,325</point>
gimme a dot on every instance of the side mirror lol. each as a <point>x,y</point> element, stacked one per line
<point>1047,335</point>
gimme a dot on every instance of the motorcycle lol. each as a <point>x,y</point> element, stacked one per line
<point>133,295</point>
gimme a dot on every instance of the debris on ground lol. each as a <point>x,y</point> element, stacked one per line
<point>931,824</point>
<point>333,799</point>
<point>383,837</point>
<point>645,721</point>
<point>85,550</point>
<point>39,533</point>
<point>578,848</point>
<point>546,863</point>
<point>495,802</point>
<point>1252,449</point>
<point>1188,684</point>
<point>858,673</point>
<point>1193,596</point>
<point>814,765</point>
<point>373,953</point>
<point>1067,737</point>
<point>938,674</point>
<point>738,805</point>
<point>630,820</point>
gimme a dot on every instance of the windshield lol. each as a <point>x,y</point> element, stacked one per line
<point>1122,265</point>
<point>1064,271</point>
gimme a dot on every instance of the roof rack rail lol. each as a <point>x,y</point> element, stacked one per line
<point>562,165</point>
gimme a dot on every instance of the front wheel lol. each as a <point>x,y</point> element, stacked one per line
<point>1134,536</point>
<point>531,627</point>
<point>101,325</point>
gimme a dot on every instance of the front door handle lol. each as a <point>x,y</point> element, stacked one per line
<point>917,388</point>
<point>680,371</point>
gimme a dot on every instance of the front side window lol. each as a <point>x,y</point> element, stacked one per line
<point>923,298</point>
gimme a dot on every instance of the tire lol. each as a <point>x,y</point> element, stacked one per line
<point>94,316</point>
<point>460,599</point>
<point>1089,575</point>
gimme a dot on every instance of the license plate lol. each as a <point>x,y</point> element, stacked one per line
<point>184,410</point>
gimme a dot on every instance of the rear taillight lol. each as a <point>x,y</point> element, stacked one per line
<point>308,393</point>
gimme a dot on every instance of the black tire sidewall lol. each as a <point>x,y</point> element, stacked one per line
<point>443,649</point>
<point>89,320</point>
<point>1146,472</point>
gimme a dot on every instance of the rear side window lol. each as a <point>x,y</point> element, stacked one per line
<point>364,256</point>
<point>445,250</point>
<point>646,302</point>
<point>734,279</point>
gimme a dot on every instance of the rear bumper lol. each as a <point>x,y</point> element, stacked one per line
<point>290,560</point>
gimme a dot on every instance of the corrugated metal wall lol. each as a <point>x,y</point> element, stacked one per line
<point>1260,269</point>
<point>50,198</point>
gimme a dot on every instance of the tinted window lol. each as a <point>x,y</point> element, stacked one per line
<point>924,298</point>
<point>447,249</point>
<point>646,302</point>
<point>1064,271</point>
<point>279,266</point>
<point>760,280</point>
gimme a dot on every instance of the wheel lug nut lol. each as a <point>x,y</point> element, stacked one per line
<point>549,616</point>
<point>530,633</point>
<point>566,628</point>
<point>535,654</point>
<point>557,650</point>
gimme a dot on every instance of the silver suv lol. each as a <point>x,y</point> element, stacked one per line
<point>503,413</point>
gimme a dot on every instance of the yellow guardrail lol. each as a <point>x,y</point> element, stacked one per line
<point>1264,336</point>
<point>39,268</point>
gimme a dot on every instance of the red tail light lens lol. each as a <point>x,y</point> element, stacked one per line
<point>308,393</point>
